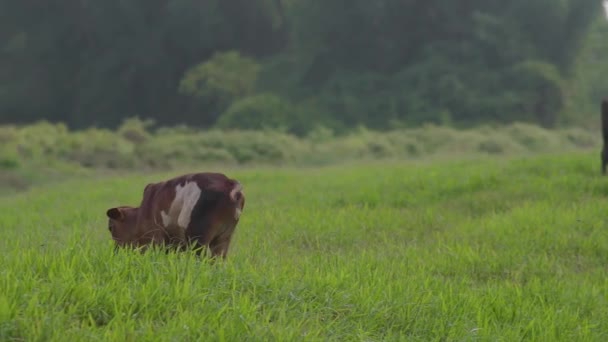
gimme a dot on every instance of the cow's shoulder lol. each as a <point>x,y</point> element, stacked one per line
<point>155,196</point>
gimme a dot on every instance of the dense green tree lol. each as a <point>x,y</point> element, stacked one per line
<point>95,62</point>
<point>338,63</point>
<point>463,61</point>
<point>215,84</point>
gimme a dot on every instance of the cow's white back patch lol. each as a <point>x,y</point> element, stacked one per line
<point>166,219</point>
<point>180,212</point>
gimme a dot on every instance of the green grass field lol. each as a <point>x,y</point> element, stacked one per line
<point>472,250</point>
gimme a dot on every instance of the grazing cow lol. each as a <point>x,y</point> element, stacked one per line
<point>199,208</point>
<point>604,135</point>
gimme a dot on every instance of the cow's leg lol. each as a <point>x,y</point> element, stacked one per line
<point>216,239</point>
<point>219,246</point>
<point>200,234</point>
<point>202,228</point>
<point>200,243</point>
<point>176,239</point>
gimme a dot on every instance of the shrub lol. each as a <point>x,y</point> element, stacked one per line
<point>257,146</point>
<point>98,148</point>
<point>223,78</point>
<point>533,138</point>
<point>135,130</point>
<point>8,160</point>
<point>44,145</point>
<point>579,138</point>
<point>173,150</point>
<point>256,112</point>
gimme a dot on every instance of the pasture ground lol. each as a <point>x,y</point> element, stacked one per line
<point>475,250</point>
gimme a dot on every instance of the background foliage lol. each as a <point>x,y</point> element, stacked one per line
<point>43,152</point>
<point>297,65</point>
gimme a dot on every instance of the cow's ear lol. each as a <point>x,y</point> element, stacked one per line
<point>115,214</point>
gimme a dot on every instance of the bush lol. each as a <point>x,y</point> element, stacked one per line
<point>132,146</point>
<point>579,138</point>
<point>263,111</point>
<point>96,148</point>
<point>532,137</point>
<point>223,78</point>
<point>135,130</point>
<point>165,151</point>
<point>499,143</point>
<point>8,161</point>
<point>257,146</point>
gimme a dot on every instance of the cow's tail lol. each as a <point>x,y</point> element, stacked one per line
<point>605,121</point>
<point>236,194</point>
<point>238,198</point>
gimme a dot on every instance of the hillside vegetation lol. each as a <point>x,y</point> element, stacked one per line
<point>455,250</point>
<point>293,64</point>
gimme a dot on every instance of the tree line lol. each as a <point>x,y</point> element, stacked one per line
<point>292,64</point>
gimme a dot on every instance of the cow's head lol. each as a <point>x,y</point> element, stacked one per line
<point>122,225</point>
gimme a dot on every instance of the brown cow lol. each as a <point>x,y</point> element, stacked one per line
<point>199,208</point>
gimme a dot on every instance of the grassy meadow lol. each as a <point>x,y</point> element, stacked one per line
<point>479,249</point>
